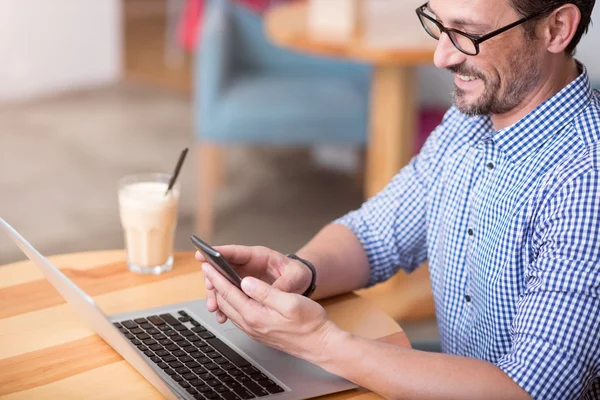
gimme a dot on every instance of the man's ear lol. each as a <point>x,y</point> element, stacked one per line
<point>560,27</point>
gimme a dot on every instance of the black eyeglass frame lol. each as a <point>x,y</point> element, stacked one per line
<point>476,39</point>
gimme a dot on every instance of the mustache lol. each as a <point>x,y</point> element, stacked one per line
<point>462,69</point>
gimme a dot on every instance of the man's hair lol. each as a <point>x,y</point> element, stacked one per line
<point>529,7</point>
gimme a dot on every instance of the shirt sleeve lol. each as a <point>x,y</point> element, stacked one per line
<point>392,225</point>
<point>556,332</point>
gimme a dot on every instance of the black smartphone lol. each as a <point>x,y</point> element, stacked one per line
<point>214,258</point>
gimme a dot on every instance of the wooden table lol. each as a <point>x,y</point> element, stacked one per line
<point>47,352</point>
<point>393,116</point>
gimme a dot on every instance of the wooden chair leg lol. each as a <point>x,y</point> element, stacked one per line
<point>209,173</point>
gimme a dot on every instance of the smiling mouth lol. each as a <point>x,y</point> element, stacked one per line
<point>466,78</point>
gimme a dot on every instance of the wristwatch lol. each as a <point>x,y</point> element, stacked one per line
<point>312,286</point>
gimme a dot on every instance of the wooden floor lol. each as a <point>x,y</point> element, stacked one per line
<point>144,47</point>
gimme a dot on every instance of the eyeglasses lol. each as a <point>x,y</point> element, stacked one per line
<point>466,43</point>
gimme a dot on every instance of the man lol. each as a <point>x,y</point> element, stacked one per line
<point>504,202</point>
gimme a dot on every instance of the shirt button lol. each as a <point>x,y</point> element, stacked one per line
<point>490,166</point>
<point>470,232</point>
<point>467,298</point>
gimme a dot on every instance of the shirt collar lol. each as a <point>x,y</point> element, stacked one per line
<point>531,132</point>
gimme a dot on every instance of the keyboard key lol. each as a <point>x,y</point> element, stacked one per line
<point>156,347</point>
<point>165,342</point>
<point>123,330</point>
<point>195,323</point>
<point>274,389</point>
<point>265,382</point>
<point>206,335</point>
<point>184,384</point>
<point>152,331</point>
<point>155,359</point>
<point>213,382</point>
<point>185,358</point>
<point>177,338</point>
<point>172,347</point>
<point>183,313</point>
<point>162,353</point>
<point>148,353</point>
<point>193,338</point>
<point>206,376</point>
<point>135,342</point>
<point>192,391</point>
<point>221,360</point>
<point>213,354</point>
<point>192,364</point>
<point>226,378</point>
<point>249,370</point>
<point>169,359</point>
<point>234,372</point>
<point>163,365</point>
<point>175,364</point>
<point>149,342</point>
<point>170,371</point>
<point>230,367</point>
<point>233,384</point>
<point>187,332</point>
<point>198,328</point>
<point>137,331</point>
<point>196,354</point>
<point>129,324</point>
<point>164,327</point>
<point>234,357</point>
<point>221,389</point>
<point>258,377</point>
<point>199,397</point>
<point>147,326</point>
<point>182,370</point>
<point>210,366</point>
<point>243,393</point>
<point>219,372</point>
<point>179,327</point>
<point>204,360</point>
<point>189,376</point>
<point>156,320</point>
<point>184,319</point>
<point>242,378</point>
<point>204,389</point>
<point>197,382</point>
<point>199,370</point>
<point>142,347</point>
<point>177,378</point>
<point>169,319</point>
<point>230,396</point>
<point>257,390</point>
<point>210,395</point>
<point>171,332</point>
<point>159,336</point>
<point>129,336</point>
<point>117,325</point>
<point>141,320</point>
<point>143,336</point>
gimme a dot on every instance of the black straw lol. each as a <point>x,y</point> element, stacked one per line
<point>177,169</point>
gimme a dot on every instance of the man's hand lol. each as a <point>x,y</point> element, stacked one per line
<point>286,321</point>
<point>269,266</point>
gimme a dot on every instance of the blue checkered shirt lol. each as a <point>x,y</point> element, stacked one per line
<point>509,221</point>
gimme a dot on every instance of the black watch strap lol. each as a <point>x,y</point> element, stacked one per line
<point>312,286</point>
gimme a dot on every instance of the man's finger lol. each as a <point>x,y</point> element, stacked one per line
<point>267,295</point>
<point>229,312</point>
<point>225,289</point>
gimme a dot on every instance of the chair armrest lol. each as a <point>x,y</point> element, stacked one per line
<point>213,66</point>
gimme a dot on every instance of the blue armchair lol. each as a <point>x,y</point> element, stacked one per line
<point>250,92</point>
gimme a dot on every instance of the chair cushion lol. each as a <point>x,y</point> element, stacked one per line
<point>288,110</point>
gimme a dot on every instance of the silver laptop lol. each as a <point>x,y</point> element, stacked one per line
<point>185,353</point>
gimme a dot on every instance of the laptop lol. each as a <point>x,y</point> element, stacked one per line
<point>185,353</point>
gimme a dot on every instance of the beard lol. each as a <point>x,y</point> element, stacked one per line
<point>521,77</point>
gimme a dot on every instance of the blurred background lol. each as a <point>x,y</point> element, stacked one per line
<point>92,90</point>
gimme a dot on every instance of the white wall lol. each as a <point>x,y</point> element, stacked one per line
<point>436,86</point>
<point>49,46</point>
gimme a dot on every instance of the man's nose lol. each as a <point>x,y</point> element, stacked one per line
<point>446,55</point>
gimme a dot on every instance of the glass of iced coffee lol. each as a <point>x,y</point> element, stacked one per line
<point>149,218</point>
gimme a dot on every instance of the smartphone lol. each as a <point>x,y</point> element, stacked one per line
<point>214,258</point>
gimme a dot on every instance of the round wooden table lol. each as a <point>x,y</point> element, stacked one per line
<point>394,100</point>
<point>47,352</point>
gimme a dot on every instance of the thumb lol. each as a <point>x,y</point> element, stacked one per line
<point>263,293</point>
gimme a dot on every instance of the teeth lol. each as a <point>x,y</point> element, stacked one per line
<point>466,78</point>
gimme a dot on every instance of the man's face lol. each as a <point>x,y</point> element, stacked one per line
<point>507,68</point>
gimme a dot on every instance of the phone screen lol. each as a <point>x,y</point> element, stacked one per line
<point>214,258</point>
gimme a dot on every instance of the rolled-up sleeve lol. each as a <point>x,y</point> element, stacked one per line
<point>556,333</point>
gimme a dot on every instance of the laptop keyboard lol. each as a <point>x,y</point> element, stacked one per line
<point>195,359</point>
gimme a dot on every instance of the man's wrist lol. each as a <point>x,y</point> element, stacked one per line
<point>313,279</point>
